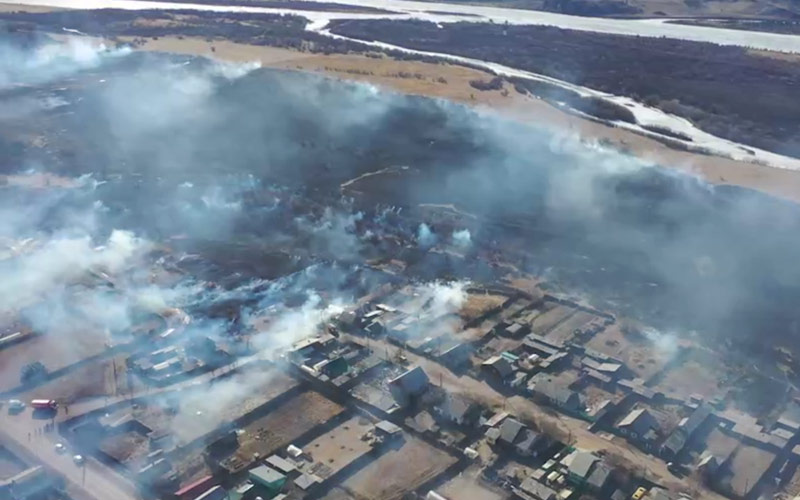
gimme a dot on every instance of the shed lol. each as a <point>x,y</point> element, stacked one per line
<point>281,464</point>
<point>387,428</point>
<point>267,477</point>
<point>307,481</point>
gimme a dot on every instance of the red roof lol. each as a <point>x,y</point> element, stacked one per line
<point>201,484</point>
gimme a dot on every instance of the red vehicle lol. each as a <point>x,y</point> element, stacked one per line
<point>44,404</point>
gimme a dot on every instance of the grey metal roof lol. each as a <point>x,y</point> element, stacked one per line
<point>599,476</point>
<point>582,463</point>
<point>414,381</point>
<point>510,429</point>
<point>266,474</point>
<point>537,489</point>
<point>387,427</point>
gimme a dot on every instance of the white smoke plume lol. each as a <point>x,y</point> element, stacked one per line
<point>462,238</point>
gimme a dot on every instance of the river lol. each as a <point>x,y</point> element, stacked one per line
<point>445,12</point>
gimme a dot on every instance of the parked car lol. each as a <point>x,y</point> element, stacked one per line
<point>15,406</point>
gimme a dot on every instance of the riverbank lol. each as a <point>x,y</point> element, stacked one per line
<point>452,82</point>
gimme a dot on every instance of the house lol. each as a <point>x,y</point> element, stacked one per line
<point>409,385</point>
<point>610,369</point>
<point>683,434</point>
<point>499,366</point>
<point>529,443</point>
<point>600,478</point>
<point>640,425</point>
<point>532,489</point>
<point>509,430</point>
<point>555,393</point>
<point>517,330</point>
<point>459,410</point>
<point>455,355</point>
<point>579,465</point>
<point>515,435</point>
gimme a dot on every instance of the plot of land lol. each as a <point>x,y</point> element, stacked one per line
<point>468,485</point>
<point>339,447</point>
<point>546,322</point>
<point>54,351</point>
<point>284,425</point>
<point>204,409</point>
<point>125,448</point>
<point>399,471</point>
<point>86,381</point>
<point>477,305</point>
<point>643,357</point>
<point>701,374</point>
<point>747,466</point>
<point>566,330</point>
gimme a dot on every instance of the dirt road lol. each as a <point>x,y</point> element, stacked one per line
<point>92,481</point>
<point>654,468</point>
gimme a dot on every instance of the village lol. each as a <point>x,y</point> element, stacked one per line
<point>440,390</point>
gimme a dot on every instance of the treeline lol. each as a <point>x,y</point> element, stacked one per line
<point>291,4</point>
<point>784,27</point>
<point>727,91</point>
<point>592,106</point>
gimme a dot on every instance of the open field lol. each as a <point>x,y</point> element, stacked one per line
<point>340,446</point>
<point>399,471</point>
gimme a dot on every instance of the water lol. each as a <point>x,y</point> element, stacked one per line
<point>451,12</point>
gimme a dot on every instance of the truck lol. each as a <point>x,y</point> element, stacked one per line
<point>44,404</point>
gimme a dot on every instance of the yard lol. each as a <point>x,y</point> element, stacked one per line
<point>468,485</point>
<point>638,353</point>
<point>399,471</point>
<point>701,373</point>
<point>284,425</point>
<point>339,447</point>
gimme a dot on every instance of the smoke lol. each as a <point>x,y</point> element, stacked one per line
<point>217,189</point>
<point>425,237</point>
<point>50,61</point>
<point>462,238</point>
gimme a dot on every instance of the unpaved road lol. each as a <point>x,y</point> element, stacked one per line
<point>656,470</point>
<point>94,481</point>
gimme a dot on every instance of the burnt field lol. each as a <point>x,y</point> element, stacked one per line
<point>699,81</point>
<point>238,171</point>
